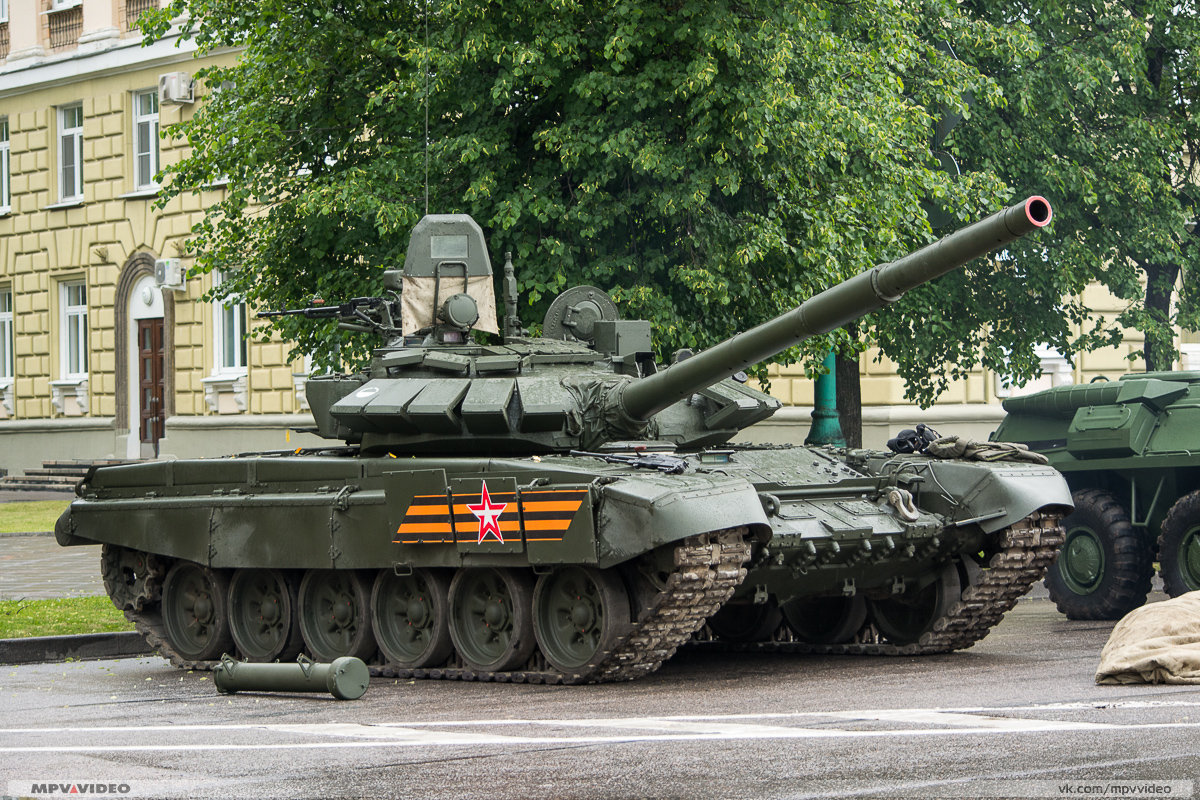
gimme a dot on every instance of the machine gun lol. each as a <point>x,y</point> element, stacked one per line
<point>362,314</point>
<point>671,465</point>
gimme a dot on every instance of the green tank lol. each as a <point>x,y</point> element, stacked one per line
<point>563,509</point>
<point>1130,450</point>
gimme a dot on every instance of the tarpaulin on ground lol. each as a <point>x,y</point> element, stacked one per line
<point>1157,643</point>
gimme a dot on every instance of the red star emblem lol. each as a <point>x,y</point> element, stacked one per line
<point>488,515</point>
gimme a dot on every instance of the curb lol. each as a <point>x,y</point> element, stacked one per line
<point>84,647</point>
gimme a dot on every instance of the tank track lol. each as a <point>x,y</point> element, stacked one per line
<point>1027,549</point>
<point>708,568</point>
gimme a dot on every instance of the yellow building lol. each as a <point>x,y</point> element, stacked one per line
<point>106,350</point>
<point>98,358</point>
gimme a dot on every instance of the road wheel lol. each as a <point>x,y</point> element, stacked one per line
<point>579,615</point>
<point>411,618</point>
<point>746,622</point>
<point>905,618</point>
<point>262,615</point>
<point>1179,546</point>
<point>194,611</point>
<point>491,621</point>
<point>1104,567</point>
<point>825,620</point>
<point>334,614</point>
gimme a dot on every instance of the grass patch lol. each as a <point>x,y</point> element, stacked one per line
<point>61,617</point>
<point>35,516</point>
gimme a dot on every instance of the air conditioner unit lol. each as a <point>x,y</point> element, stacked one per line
<point>168,273</point>
<point>175,88</point>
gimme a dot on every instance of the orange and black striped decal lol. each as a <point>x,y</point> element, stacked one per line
<point>546,514</point>
<point>427,520</point>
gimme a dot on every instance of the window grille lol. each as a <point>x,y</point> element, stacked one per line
<point>134,9</point>
<point>66,27</point>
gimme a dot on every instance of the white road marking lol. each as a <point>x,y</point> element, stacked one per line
<point>947,718</point>
<point>892,723</point>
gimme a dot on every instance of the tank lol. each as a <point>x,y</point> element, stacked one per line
<point>1130,451</point>
<point>564,509</point>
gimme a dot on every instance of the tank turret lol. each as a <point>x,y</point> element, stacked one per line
<point>591,379</point>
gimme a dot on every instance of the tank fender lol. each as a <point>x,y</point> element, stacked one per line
<point>993,494</point>
<point>64,531</point>
<point>638,514</point>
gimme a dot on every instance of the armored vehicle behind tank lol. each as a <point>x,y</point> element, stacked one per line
<point>1130,450</point>
<point>564,508</point>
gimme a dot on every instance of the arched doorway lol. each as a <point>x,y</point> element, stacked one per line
<point>146,385</point>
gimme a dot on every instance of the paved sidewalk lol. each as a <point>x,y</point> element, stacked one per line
<point>21,495</point>
<point>34,567</point>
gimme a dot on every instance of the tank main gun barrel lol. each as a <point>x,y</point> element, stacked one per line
<point>831,309</point>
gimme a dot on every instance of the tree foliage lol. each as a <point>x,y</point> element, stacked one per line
<point>710,162</point>
<point>1100,117</point>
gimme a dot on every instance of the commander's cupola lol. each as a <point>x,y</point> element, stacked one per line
<point>446,283</point>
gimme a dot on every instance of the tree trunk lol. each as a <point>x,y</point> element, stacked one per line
<point>1159,348</point>
<point>849,397</point>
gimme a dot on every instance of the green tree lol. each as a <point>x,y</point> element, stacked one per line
<point>710,162</point>
<point>1100,116</point>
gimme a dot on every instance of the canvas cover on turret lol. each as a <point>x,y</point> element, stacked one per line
<point>447,254</point>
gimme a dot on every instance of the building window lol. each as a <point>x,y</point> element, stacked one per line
<point>65,24</point>
<point>3,10</point>
<point>145,139</point>
<point>74,345</point>
<point>70,152</point>
<point>7,365</point>
<point>230,326</point>
<point>7,361</point>
<point>134,9</point>
<point>226,390</point>
<point>5,168</point>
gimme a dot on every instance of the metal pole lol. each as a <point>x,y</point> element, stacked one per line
<point>826,425</point>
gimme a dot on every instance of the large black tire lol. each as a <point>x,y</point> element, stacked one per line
<point>1104,567</point>
<point>1179,546</point>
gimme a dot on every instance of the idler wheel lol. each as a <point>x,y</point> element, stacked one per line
<point>335,620</point>
<point>262,615</point>
<point>825,620</point>
<point>905,618</point>
<point>133,579</point>
<point>195,612</point>
<point>745,622</point>
<point>579,614</point>
<point>411,617</point>
<point>491,621</point>
<point>1179,546</point>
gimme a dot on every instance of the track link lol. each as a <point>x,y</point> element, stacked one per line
<point>708,568</point>
<point>1027,549</point>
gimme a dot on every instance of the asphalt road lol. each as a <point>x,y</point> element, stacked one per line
<point>1018,715</point>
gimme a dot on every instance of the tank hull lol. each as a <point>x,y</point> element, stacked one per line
<point>371,538</point>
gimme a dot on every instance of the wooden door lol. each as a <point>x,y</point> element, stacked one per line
<point>151,387</point>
